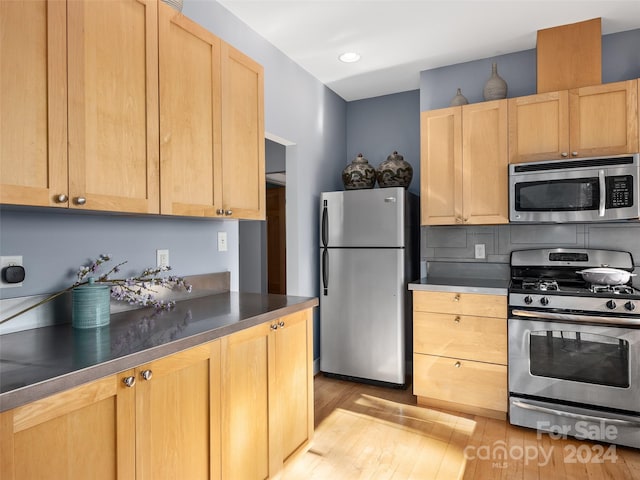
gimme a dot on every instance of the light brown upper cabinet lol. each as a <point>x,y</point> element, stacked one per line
<point>211,124</point>
<point>581,122</point>
<point>190,117</point>
<point>80,104</point>
<point>464,165</point>
<point>33,103</point>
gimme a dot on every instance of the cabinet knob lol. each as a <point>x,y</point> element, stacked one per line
<point>281,324</point>
<point>564,154</point>
<point>274,327</point>
<point>220,211</point>
<point>129,381</point>
<point>456,298</point>
<point>61,198</point>
<point>574,154</point>
<point>457,319</point>
<point>457,364</point>
<point>228,212</point>
<point>146,374</point>
<point>80,200</point>
<point>458,220</point>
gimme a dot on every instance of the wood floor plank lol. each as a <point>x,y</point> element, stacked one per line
<point>365,432</point>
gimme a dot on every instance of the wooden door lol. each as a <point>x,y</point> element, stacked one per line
<point>276,241</point>
<point>178,415</point>
<point>113,105</point>
<point>441,166</point>
<point>85,432</point>
<point>190,117</point>
<point>248,369</point>
<point>242,135</point>
<point>294,382</point>
<point>539,127</point>
<point>485,163</point>
<point>604,119</point>
<point>33,103</point>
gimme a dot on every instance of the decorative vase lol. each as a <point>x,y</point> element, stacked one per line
<point>459,99</point>
<point>496,87</point>
<point>394,172</point>
<point>175,4</point>
<point>359,174</point>
<point>90,306</point>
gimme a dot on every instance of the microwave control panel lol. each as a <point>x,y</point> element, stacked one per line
<point>619,191</point>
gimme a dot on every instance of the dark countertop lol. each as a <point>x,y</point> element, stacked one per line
<point>485,286</point>
<point>42,361</point>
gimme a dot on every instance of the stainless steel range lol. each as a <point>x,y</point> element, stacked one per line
<point>574,347</point>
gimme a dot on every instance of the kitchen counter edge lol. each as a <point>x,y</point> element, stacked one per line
<point>482,286</point>
<point>37,391</point>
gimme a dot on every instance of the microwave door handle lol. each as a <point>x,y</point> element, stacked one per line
<point>603,193</point>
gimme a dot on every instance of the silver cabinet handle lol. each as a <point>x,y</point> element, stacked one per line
<point>564,154</point>
<point>457,364</point>
<point>228,212</point>
<point>456,298</point>
<point>61,198</point>
<point>274,327</point>
<point>129,381</point>
<point>281,324</point>
<point>220,211</point>
<point>457,319</point>
<point>81,200</point>
<point>146,374</point>
<point>574,154</point>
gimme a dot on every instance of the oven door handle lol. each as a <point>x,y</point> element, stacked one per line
<point>603,193</point>
<point>578,416</point>
<point>572,317</point>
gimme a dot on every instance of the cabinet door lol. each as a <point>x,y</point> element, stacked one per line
<point>178,415</point>
<point>242,136</point>
<point>441,166</point>
<point>248,368</point>
<point>113,105</point>
<point>190,117</point>
<point>33,99</point>
<point>485,163</point>
<point>294,383</point>
<point>539,127</point>
<point>604,119</point>
<point>85,432</point>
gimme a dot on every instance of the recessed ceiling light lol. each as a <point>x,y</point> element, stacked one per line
<point>349,57</point>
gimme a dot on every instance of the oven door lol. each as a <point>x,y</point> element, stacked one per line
<point>587,364</point>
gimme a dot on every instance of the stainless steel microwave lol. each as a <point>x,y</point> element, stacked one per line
<point>581,190</point>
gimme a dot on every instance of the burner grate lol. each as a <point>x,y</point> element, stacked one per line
<point>612,289</point>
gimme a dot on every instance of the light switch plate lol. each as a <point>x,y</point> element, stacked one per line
<point>7,261</point>
<point>222,241</point>
<point>162,258</point>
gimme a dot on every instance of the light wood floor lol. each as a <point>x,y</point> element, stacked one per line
<point>367,432</point>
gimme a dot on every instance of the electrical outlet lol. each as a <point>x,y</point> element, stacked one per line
<point>162,258</point>
<point>479,250</point>
<point>222,241</point>
<point>9,261</point>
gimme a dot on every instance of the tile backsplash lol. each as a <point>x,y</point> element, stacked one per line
<point>456,243</point>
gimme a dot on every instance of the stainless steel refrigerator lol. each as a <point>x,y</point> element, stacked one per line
<point>369,252</point>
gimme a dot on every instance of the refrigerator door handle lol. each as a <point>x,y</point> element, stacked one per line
<point>325,271</point>
<point>325,225</point>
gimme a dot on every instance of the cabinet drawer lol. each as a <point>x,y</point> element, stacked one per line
<point>482,385</point>
<point>460,336</point>
<point>461,303</point>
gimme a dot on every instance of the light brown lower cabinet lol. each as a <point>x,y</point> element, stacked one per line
<point>460,352</point>
<point>236,407</point>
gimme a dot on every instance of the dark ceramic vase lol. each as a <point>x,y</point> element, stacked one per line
<point>359,174</point>
<point>394,172</point>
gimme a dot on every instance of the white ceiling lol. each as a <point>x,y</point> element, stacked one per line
<point>398,38</point>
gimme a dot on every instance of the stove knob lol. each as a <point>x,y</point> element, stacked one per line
<point>528,300</point>
<point>544,301</point>
<point>611,304</point>
<point>630,306</point>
